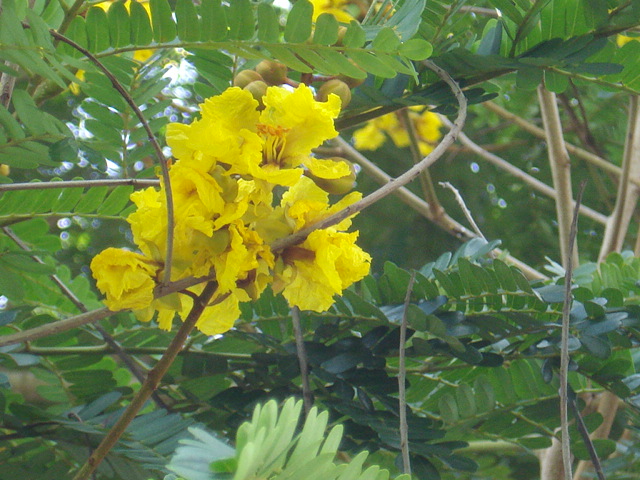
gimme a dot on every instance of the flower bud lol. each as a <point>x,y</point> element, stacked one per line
<point>258,89</point>
<point>342,31</point>
<point>245,77</point>
<point>273,73</point>
<point>337,87</point>
<point>336,186</point>
<point>5,170</point>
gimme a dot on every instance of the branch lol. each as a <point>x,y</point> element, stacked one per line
<point>564,344</point>
<point>402,180</point>
<point>156,146</point>
<point>426,183</point>
<point>149,385</point>
<point>627,196</point>
<point>419,205</point>
<point>560,170</point>
<point>92,316</point>
<point>521,175</point>
<point>402,377</point>
<point>572,149</point>
<point>142,183</point>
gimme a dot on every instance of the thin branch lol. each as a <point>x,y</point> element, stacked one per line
<point>564,345</point>
<point>150,384</point>
<point>419,205</point>
<point>560,169</point>
<point>116,182</point>
<point>402,378</point>
<point>521,175</point>
<point>400,181</point>
<point>464,209</point>
<point>584,433</point>
<point>426,183</point>
<point>572,149</point>
<point>156,146</point>
<point>67,292</point>
<point>92,316</point>
<point>302,360</point>
<point>627,195</point>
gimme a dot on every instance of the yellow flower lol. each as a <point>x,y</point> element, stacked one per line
<point>334,7</point>
<point>623,40</point>
<point>126,278</point>
<point>324,265</point>
<point>427,125</point>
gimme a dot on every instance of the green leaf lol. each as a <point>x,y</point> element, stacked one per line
<point>12,127</point>
<point>141,32</point>
<point>268,24</point>
<point>386,41</point>
<point>416,49</point>
<point>116,201</point>
<point>241,21</point>
<point>68,199</point>
<point>119,28</point>
<point>596,346</point>
<point>91,200</point>
<point>187,22</point>
<point>604,448</point>
<point>448,408</point>
<point>164,30</point>
<point>298,27</point>
<point>65,150</point>
<point>354,37</point>
<point>555,82</point>
<point>283,54</point>
<point>214,21</point>
<point>97,26</point>
<point>371,64</point>
<point>326,31</point>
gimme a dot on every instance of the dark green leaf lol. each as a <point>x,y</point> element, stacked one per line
<point>97,29</point>
<point>241,21</point>
<point>268,24</point>
<point>164,29</point>
<point>119,25</point>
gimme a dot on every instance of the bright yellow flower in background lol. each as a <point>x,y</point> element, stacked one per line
<point>623,40</point>
<point>334,7</point>
<point>232,164</point>
<point>374,134</point>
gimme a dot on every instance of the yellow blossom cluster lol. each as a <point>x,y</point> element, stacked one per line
<point>373,135</point>
<point>242,180</point>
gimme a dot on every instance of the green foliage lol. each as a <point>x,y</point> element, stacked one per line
<point>270,446</point>
<point>483,347</point>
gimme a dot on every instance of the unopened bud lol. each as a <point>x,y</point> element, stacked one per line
<point>337,87</point>
<point>245,77</point>
<point>258,89</point>
<point>273,73</point>
<point>5,170</point>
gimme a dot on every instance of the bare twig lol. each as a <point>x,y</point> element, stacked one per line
<point>584,433</point>
<point>464,208</point>
<point>109,340</point>
<point>92,316</point>
<point>402,378</point>
<point>156,146</point>
<point>116,182</point>
<point>572,149</point>
<point>560,169</point>
<point>517,173</point>
<point>627,195</point>
<point>419,205</point>
<point>150,384</point>
<point>426,183</point>
<point>400,181</point>
<point>564,345</point>
<point>302,360</point>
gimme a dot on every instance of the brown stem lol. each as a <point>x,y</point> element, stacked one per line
<point>150,384</point>
<point>136,182</point>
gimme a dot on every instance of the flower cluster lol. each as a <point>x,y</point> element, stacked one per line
<point>244,178</point>
<point>427,125</point>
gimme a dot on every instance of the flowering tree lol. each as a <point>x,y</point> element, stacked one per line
<point>200,168</point>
